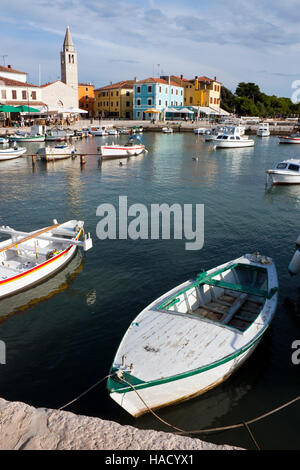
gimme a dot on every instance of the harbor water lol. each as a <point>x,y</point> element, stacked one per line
<point>61,336</point>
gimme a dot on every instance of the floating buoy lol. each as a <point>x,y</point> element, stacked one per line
<point>294,266</point>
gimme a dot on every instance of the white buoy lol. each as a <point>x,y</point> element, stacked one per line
<point>294,266</point>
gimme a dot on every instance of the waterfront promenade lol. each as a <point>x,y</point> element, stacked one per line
<point>276,127</point>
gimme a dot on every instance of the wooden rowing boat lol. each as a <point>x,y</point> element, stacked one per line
<point>195,336</point>
<point>29,258</point>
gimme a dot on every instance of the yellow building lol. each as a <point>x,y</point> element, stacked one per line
<point>114,100</point>
<point>200,91</point>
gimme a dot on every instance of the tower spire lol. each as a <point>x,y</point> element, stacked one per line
<point>68,42</point>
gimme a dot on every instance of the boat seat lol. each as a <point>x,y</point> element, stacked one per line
<point>236,306</point>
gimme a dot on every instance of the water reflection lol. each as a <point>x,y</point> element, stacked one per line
<point>22,301</point>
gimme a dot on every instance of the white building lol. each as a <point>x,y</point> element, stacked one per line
<point>61,94</point>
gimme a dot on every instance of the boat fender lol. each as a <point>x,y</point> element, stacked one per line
<point>294,266</point>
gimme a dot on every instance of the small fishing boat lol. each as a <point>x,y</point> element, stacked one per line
<point>124,131</point>
<point>4,140</point>
<point>27,138</point>
<point>263,130</point>
<point>285,172</point>
<point>29,258</point>
<point>232,138</point>
<point>292,139</point>
<point>11,152</point>
<point>112,132</point>
<point>195,336</point>
<point>59,152</point>
<point>167,130</point>
<point>131,148</point>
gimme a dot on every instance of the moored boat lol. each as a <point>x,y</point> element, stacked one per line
<point>263,130</point>
<point>292,139</point>
<point>232,138</point>
<point>131,148</point>
<point>11,152</point>
<point>167,130</point>
<point>29,258</point>
<point>195,336</point>
<point>58,152</point>
<point>200,130</point>
<point>4,140</point>
<point>55,135</point>
<point>285,172</point>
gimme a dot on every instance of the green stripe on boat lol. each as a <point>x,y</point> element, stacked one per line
<point>116,385</point>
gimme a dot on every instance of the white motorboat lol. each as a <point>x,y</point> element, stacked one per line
<point>200,130</point>
<point>233,139</point>
<point>4,140</point>
<point>292,139</point>
<point>285,172</point>
<point>195,336</point>
<point>124,131</point>
<point>29,258</point>
<point>167,130</point>
<point>58,152</point>
<point>215,133</point>
<point>131,148</point>
<point>263,130</point>
<point>11,152</point>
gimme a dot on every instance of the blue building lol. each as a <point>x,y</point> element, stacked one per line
<point>153,96</point>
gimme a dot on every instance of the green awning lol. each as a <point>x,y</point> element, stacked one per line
<point>26,109</point>
<point>5,108</point>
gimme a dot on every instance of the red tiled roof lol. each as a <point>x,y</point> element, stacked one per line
<point>9,69</point>
<point>11,82</point>
<point>157,80</point>
<point>123,84</point>
<point>85,84</point>
<point>49,83</point>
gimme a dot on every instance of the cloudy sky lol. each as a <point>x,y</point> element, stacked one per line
<point>235,40</point>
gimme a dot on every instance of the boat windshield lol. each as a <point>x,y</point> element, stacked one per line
<point>281,166</point>
<point>293,167</point>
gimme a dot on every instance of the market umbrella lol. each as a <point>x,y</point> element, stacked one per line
<point>5,108</point>
<point>26,109</point>
<point>152,110</point>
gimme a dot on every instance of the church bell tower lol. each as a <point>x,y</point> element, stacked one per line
<point>68,62</point>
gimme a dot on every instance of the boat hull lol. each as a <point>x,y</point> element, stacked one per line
<point>37,274</point>
<point>177,390</point>
<point>119,151</point>
<point>289,140</point>
<point>12,154</point>
<point>284,178</point>
<point>227,145</point>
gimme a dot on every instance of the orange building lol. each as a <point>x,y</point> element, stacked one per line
<point>86,97</point>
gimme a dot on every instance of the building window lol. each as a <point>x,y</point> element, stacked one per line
<point>86,89</point>
<point>111,93</point>
<point>211,100</point>
<point>117,103</point>
<point>138,114</point>
<point>111,103</point>
<point>117,93</point>
<point>127,104</point>
<point>171,91</point>
<point>191,99</point>
<point>33,95</point>
<point>138,89</point>
<point>24,95</point>
<point>14,94</point>
<point>166,103</point>
<point>86,97</point>
<point>86,105</point>
<point>127,93</point>
<point>138,102</point>
<point>160,89</point>
<point>149,89</point>
<point>181,92</point>
<point>159,102</point>
<point>149,101</point>
<point>3,94</point>
<point>176,92</point>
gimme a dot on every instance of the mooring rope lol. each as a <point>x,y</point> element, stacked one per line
<point>244,424</point>
<point>221,428</point>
